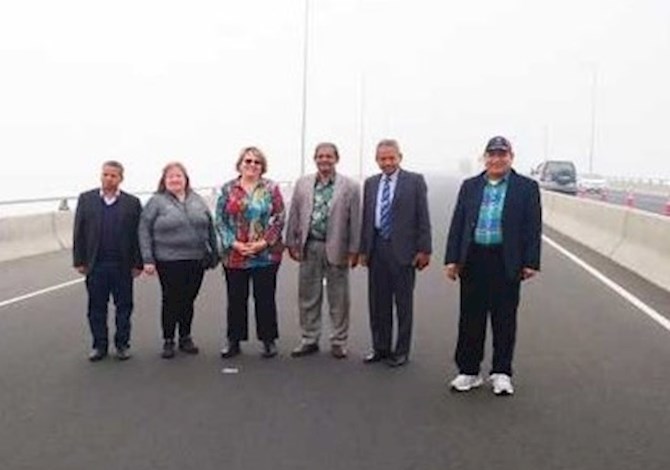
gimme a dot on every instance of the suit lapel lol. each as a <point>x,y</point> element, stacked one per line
<point>399,187</point>
<point>510,195</point>
<point>309,200</point>
<point>479,195</point>
<point>374,187</point>
<point>98,202</point>
<point>337,192</point>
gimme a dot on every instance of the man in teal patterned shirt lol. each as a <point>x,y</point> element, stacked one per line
<point>322,234</point>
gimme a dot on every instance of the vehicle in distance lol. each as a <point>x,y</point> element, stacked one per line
<point>591,183</point>
<point>557,175</point>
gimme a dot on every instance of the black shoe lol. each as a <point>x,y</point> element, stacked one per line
<point>168,349</point>
<point>375,356</point>
<point>97,355</point>
<point>338,351</point>
<point>123,354</point>
<point>397,361</point>
<point>188,346</point>
<point>305,349</point>
<point>231,349</point>
<point>269,349</point>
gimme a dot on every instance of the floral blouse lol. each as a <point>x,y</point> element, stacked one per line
<point>244,217</point>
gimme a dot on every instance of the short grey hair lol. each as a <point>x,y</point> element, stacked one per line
<point>114,164</point>
<point>389,143</point>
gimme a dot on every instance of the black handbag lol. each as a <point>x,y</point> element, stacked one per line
<point>212,258</point>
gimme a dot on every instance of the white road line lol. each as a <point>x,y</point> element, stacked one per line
<point>644,308</point>
<point>21,298</point>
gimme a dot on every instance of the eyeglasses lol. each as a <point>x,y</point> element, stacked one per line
<point>251,161</point>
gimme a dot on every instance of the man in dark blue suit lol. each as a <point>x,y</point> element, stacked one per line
<point>493,244</point>
<point>106,250</point>
<point>395,242</point>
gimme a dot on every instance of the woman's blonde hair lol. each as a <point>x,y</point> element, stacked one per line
<point>256,152</point>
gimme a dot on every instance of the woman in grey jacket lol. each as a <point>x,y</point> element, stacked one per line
<point>176,234</point>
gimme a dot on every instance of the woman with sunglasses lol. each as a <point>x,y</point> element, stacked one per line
<point>249,218</point>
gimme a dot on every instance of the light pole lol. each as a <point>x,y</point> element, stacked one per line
<point>304,89</point>
<point>361,129</point>
<point>546,142</point>
<point>592,145</point>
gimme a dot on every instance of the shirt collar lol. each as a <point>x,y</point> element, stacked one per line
<point>238,182</point>
<point>393,177</point>
<point>110,199</point>
<point>504,179</point>
<point>328,181</point>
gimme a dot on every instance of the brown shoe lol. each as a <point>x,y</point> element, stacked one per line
<point>188,346</point>
<point>338,351</point>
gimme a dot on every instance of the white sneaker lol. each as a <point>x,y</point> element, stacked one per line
<point>502,384</point>
<point>464,383</point>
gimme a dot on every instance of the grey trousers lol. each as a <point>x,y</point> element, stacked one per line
<point>314,268</point>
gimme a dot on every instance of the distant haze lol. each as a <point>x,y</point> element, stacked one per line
<point>151,81</point>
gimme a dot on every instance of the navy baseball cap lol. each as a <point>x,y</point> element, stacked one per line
<point>498,143</point>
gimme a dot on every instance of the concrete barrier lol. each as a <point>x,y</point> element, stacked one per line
<point>645,247</point>
<point>638,240</point>
<point>34,234</point>
<point>63,223</point>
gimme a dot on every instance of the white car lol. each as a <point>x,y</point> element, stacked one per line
<point>591,183</point>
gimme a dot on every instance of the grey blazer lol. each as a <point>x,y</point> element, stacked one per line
<point>344,218</point>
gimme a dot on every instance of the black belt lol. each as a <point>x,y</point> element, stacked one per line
<point>487,248</point>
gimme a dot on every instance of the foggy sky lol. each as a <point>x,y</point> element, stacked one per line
<point>146,82</point>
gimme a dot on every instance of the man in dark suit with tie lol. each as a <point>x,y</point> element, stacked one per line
<point>106,250</point>
<point>395,242</point>
<point>493,244</point>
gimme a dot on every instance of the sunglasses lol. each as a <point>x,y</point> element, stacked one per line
<point>251,161</point>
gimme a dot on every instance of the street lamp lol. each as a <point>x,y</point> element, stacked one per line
<point>593,117</point>
<point>304,89</point>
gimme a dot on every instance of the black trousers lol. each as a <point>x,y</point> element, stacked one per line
<point>485,289</point>
<point>264,280</point>
<point>180,283</point>
<point>105,279</point>
<point>390,282</point>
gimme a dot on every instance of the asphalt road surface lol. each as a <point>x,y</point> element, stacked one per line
<point>592,382</point>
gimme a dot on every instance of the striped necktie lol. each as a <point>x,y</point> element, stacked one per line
<point>385,213</point>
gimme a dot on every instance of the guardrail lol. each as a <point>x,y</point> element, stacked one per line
<point>660,186</point>
<point>49,228</point>
<point>638,240</point>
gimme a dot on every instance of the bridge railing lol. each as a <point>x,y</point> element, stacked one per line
<point>34,226</point>
<point>659,186</point>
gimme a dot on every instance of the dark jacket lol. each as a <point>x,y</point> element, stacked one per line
<point>88,223</point>
<point>521,223</point>
<point>409,214</point>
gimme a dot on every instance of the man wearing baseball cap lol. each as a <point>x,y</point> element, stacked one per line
<point>493,244</point>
